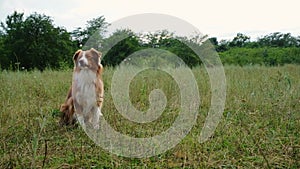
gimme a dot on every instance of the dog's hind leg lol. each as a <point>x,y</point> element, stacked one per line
<point>94,119</point>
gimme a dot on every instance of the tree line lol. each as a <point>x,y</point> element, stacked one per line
<point>34,42</point>
<point>272,49</point>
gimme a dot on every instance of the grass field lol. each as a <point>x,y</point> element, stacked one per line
<point>260,127</point>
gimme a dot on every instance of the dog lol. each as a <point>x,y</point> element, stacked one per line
<point>85,96</point>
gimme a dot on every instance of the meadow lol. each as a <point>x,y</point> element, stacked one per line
<point>259,128</point>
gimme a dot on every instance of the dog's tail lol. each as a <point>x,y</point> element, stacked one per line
<point>67,109</point>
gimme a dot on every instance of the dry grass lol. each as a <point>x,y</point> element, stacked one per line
<point>259,129</point>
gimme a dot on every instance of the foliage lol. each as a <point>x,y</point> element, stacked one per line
<point>273,49</point>
<point>180,46</point>
<point>119,46</point>
<point>92,33</point>
<point>275,39</point>
<point>34,42</point>
<point>270,56</point>
<point>240,40</point>
<point>278,39</point>
<point>122,43</point>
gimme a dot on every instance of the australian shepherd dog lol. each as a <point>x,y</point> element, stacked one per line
<point>85,97</point>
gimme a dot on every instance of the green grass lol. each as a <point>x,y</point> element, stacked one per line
<point>259,129</point>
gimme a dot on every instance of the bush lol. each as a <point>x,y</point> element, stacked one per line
<point>263,56</point>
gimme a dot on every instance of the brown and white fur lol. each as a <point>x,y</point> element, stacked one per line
<point>86,92</point>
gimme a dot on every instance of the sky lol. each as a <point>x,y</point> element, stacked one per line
<point>216,18</point>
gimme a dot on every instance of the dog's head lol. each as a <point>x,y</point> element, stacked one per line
<point>90,59</point>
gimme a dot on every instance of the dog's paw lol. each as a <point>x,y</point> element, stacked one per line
<point>96,127</point>
<point>80,119</point>
<point>99,112</point>
<point>93,126</point>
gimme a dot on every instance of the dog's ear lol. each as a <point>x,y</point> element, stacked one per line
<point>94,51</point>
<point>97,55</point>
<point>76,54</point>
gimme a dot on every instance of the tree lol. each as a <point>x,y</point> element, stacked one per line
<point>11,30</point>
<point>183,51</point>
<point>223,45</point>
<point>177,45</point>
<point>278,39</point>
<point>119,46</point>
<point>214,41</point>
<point>34,42</point>
<point>3,59</point>
<point>93,33</point>
<point>156,39</point>
<point>240,40</point>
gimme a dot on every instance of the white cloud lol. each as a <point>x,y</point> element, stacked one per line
<point>217,18</point>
